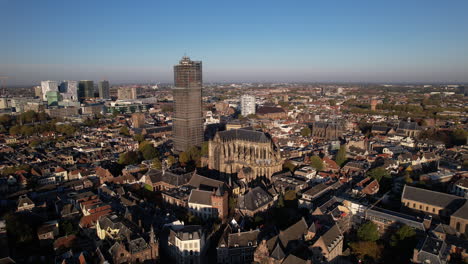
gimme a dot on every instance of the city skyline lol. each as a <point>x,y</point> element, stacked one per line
<point>363,41</point>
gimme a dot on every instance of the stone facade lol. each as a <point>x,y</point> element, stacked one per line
<point>231,151</point>
<point>327,130</point>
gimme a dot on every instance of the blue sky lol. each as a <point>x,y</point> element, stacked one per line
<point>256,40</point>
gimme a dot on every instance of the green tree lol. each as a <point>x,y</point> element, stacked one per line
<point>194,153</point>
<point>67,228</point>
<point>289,166</point>
<point>124,131</point>
<point>184,158</point>
<point>341,156</point>
<point>171,161</point>
<point>19,228</point>
<point>280,203</point>
<point>290,195</point>
<point>258,220</point>
<point>156,164</point>
<point>66,129</point>
<point>402,236</point>
<point>367,249</point>
<point>306,132</point>
<point>316,162</point>
<point>148,151</point>
<point>368,232</point>
<point>378,173</point>
<point>27,130</point>
<point>129,158</point>
<point>15,130</point>
<point>459,136</point>
<point>232,204</point>
<point>204,149</point>
<point>5,120</point>
<point>139,137</point>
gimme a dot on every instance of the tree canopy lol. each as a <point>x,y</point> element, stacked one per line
<point>184,157</point>
<point>316,162</point>
<point>124,131</point>
<point>147,150</point>
<point>378,173</point>
<point>129,158</point>
<point>306,132</point>
<point>341,156</point>
<point>368,232</point>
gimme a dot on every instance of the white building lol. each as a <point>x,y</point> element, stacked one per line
<point>186,244</point>
<point>48,86</point>
<point>69,90</point>
<point>247,105</point>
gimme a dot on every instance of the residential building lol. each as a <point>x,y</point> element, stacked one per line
<point>187,244</point>
<point>247,105</point>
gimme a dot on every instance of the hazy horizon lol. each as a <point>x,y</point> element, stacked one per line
<point>262,41</point>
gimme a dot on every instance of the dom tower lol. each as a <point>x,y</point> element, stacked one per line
<point>187,91</point>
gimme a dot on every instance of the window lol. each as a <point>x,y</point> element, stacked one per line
<point>458,227</point>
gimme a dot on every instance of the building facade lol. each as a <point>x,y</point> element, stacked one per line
<point>138,120</point>
<point>85,89</point>
<point>127,93</point>
<point>69,90</point>
<point>247,105</point>
<point>231,151</point>
<point>48,86</point>
<point>187,91</point>
<point>103,87</point>
<point>327,130</point>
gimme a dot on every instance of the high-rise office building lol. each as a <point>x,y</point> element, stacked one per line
<point>69,90</point>
<point>48,86</point>
<point>247,105</point>
<point>103,87</point>
<point>127,93</point>
<point>85,89</point>
<point>187,91</point>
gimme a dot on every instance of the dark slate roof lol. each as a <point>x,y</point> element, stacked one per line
<point>137,245</point>
<point>380,128</point>
<point>432,250</point>
<point>198,180</point>
<point>332,236</point>
<point>462,212</point>
<point>278,252</point>
<point>294,232</point>
<point>269,110</point>
<point>254,199</point>
<point>430,197</point>
<point>168,177</point>
<point>24,200</point>
<point>408,125</point>
<point>242,239</point>
<point>408,220</point>
<point>244,134</point>
<point>291,259</point>
<point>200,197</point>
